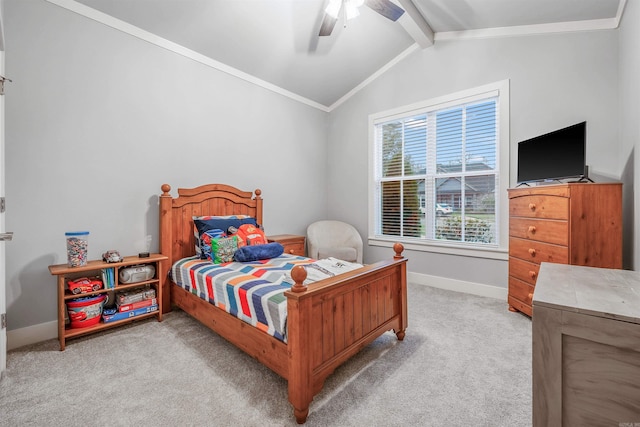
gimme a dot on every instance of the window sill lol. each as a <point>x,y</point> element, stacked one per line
<point>449,249</point>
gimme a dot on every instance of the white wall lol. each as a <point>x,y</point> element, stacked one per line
<point>555,81</point>
<point>630,128</point>
<point>97,121</point>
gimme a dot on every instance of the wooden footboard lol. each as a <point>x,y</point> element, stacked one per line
<point>331,320</point>
<point>328,322</point>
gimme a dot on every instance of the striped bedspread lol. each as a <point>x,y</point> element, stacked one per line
<point>251,291</point>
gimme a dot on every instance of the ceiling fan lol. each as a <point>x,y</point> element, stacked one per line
<point>350,9</point>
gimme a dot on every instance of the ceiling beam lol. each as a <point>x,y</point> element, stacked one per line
<point>415,24</point>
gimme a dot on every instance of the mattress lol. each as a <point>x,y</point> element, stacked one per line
<point>251,291</point>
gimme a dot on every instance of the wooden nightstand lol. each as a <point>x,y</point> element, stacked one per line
<point>293,243</point>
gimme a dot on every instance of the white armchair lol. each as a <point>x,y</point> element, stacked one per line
<point>336,239</point>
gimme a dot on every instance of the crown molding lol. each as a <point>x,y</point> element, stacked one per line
<point>536,29</point>
<point>414,47</point>
<point>149,37</point>
<point>515,31</point>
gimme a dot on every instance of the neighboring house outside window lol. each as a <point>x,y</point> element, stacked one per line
<point>440,172</point>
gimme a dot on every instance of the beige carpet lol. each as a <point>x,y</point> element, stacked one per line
<point>465,361</point>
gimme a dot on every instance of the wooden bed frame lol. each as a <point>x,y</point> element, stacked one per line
<point>328,321</point>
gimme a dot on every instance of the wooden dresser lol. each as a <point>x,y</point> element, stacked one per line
<point>576,223</point>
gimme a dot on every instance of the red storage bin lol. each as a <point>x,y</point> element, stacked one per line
<point>84,312</point>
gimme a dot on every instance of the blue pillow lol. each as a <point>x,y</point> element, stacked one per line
<point>221,223</point>
<point>258,252</point>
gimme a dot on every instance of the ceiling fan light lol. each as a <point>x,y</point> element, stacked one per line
<point>333,8</point>
<point>351,10</point>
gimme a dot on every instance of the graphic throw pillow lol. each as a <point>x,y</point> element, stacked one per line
<point>223,248</point>
<point>205,242</point>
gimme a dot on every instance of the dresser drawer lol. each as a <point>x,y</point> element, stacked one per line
<point>538,252</point>
<point>542,230</point>
<point>294,248</point>
<point>523,270</point>
<point>521,290</point>
<point>520,306</point>
<point>551,207</point>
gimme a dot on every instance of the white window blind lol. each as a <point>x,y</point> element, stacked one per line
<point>436,172</point>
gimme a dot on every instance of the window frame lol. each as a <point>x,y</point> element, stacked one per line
<point>498,89</point>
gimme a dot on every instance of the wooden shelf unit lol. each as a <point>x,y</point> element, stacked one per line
<point>572,223</point>
<point>94,268</point>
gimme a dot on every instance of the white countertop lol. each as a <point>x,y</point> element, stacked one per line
<point>601,292</point>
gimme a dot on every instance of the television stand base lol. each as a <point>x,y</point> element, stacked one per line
<point>583,179</point>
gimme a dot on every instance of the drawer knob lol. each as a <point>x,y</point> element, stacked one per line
<point>532,252</point>
<point>530,297</point>
<point>532,274</point>
<point>532,229</point>
<point>291,251</point>
<point>532,206</point>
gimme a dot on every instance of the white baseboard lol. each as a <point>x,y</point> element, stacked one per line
<point>458,286</point>
<point>46,331</point>
<point>32,334</point>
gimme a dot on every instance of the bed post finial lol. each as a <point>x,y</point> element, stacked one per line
<point>165,235</point>
<point>298,274</point>
<point>398,248</point>
<point>258,201</point>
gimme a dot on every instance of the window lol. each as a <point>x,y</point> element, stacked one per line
<point>440,171</point>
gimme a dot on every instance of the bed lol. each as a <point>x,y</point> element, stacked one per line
<point>327,321</point>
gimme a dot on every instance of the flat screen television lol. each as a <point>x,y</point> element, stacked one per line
<point>553,156</point>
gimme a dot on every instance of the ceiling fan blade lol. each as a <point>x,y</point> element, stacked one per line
<point>386,8</point>
<point>328,22</point>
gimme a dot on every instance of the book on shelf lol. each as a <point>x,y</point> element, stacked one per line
<point>108,278</point>
<point>137,304</point>
<point>107,318</point>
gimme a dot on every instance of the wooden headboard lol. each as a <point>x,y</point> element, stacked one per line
<point>176,222</point>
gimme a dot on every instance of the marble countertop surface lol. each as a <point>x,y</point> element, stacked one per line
<point>601,292</point>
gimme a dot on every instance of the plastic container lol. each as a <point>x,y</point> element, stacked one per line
<point>77,247</point>
<point>84,312</point>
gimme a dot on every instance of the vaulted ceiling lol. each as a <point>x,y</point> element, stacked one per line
<point>276,42</point>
